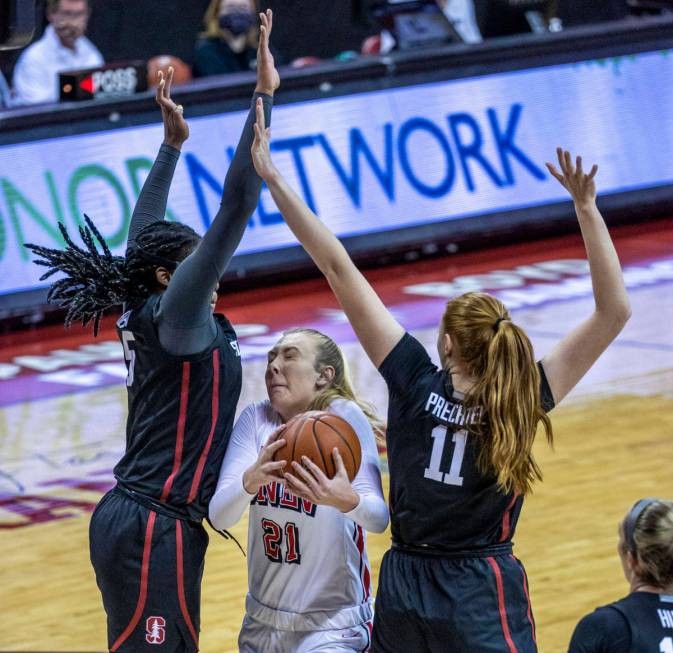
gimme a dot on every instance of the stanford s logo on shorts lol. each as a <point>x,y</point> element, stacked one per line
<point>155,630</point>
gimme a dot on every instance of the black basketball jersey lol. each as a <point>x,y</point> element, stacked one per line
<point>640,623</point>
<point>180,413</point>
<point>439,500</point>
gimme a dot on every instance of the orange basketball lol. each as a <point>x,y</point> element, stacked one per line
<point>182,73</point>
<point>314,434</point>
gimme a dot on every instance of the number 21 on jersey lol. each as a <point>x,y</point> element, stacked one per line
<point>273,541</point>
<point>433,471</point>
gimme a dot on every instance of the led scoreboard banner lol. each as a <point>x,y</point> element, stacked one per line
<point>110,80</point>
<point>462,151</point>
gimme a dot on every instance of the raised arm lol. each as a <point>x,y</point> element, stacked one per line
<point>185,320</point>
<point>572,357</point>
<point>375,327</point>
<point>153,198</point>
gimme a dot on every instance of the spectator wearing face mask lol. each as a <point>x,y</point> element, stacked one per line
<point>229,42</point>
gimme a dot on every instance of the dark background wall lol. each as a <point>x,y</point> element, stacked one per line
<point>140,29</point>
<point>124,29</point>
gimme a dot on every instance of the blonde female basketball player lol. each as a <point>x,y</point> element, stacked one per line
<point>643,621</point>
<point>308,572</point>
<point>460,438</point>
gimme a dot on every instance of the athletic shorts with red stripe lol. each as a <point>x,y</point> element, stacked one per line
<point>148,568</point>
<point>462,605</point>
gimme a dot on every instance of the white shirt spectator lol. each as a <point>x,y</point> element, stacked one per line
<point>461,14</point>
<point>36,72</point>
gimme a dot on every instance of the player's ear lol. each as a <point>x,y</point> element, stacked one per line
<point>326,377</point>
<point>163,276</point>
<point>447,345</point>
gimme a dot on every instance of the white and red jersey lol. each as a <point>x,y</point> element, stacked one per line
<point>307,564</point>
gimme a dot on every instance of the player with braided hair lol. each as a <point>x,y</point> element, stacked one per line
<point>147,541</point>
<point>96,281</point>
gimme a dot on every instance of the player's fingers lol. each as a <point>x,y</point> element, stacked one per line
<point>305,476</point>
<point>160,87</point>
<point>269,19</point>
<point>561,160</point>
<point>593,172</point>
<point>169,82</point>
<point>259,113</point>
<point>318,474</point>
<point>569,162</point>
<point>554,172</point>
<point>578,165</point>
<point>297,486</point>
<point>269,450</point>
<point>272,468</point>
<point>338,461</point>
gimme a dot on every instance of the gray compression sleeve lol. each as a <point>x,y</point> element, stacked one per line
<point>153,198</point>
<point>184,317</point>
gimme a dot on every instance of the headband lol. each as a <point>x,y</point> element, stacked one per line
<point>631,521</point>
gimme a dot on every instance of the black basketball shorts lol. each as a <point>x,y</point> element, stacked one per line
<point>148,568</point>
<point>456,605</point>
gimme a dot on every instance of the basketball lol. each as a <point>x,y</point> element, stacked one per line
<point>182,72</point>
<point>314,434</point>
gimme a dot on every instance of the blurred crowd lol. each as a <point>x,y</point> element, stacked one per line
<point>200,38</point>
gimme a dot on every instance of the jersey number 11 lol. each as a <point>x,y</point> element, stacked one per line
<point>452,477</point>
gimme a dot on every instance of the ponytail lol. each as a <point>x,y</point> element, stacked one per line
<point>500,356</point>
<point>96,281</point>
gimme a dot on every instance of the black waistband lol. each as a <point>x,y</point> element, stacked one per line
<point>434,552</point>
<point>152,504</point>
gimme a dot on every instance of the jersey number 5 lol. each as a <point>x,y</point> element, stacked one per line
<point>273,540</point>
<point>452,477</point>
<point>129,355</point>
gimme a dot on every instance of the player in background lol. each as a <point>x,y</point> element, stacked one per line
<point>308,571</point>
<point>643,621</point>
<point>460,438</point>
<point>147,542</point>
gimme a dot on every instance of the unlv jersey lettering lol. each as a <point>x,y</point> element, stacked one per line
<point>275,495</point>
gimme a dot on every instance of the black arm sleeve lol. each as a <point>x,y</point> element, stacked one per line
<point>151,204</point>
<point>184,318</point>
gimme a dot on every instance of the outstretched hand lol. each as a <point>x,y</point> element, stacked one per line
<point>261,154</point>
<point>309,482</point>
<point>268,79</point>
<point>579,184</point>
<point>176,130</point>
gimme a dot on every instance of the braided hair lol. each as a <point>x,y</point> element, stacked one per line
<point>96,280</point>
